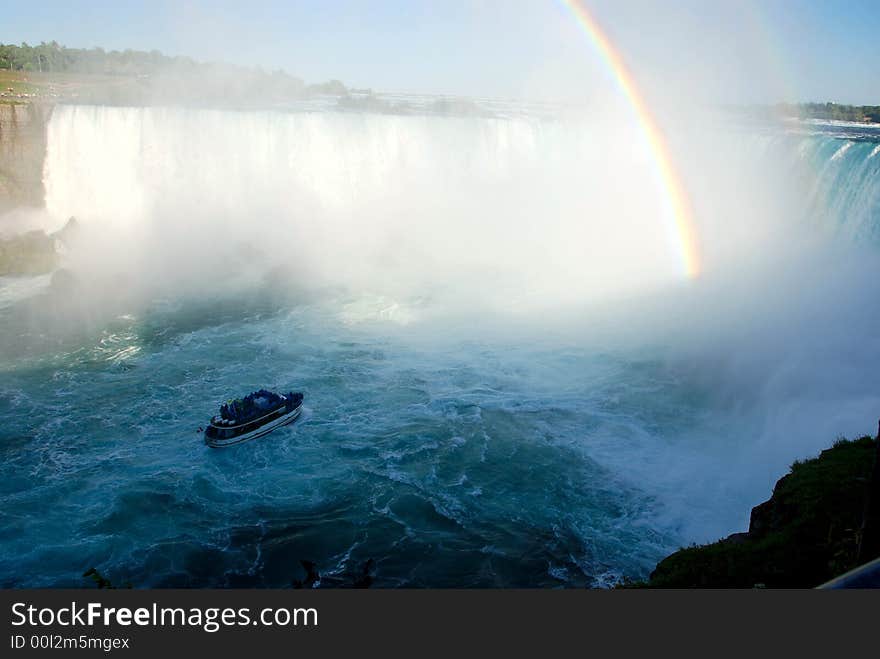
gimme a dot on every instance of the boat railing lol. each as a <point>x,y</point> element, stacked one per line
<point>247,421</point>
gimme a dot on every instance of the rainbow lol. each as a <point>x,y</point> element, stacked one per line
<point>682,224</point>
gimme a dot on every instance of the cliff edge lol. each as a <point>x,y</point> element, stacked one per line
<point>807,533</point>
<point>22,152</point>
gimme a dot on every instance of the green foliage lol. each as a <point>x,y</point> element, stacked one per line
<point>806,534</point>
<point>54,58</point>
<point>831,111</point>
<point>331,88</point>
<point>179,75</point>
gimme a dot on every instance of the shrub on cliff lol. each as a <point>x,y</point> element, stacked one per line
<point>804,535</point>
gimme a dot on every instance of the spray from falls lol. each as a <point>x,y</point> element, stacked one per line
<point>495,209</point>
<point>712,385</point>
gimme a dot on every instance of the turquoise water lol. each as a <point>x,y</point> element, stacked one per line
<point>470,450</point>
<point>449,463</point>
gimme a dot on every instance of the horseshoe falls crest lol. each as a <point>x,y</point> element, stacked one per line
<point>508,380</point>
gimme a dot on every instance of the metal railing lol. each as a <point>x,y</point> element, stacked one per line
<point>864,576</point>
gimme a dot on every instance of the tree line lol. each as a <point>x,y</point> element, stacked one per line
<point>54,58</point>
<point>832,111</point>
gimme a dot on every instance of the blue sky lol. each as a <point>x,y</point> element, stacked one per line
<point>726,51</point>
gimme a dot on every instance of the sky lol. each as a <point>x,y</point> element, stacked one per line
<point>742,51</point>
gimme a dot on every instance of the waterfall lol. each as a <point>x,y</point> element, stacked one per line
<point>368,199</point>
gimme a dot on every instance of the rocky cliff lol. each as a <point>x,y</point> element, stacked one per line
<point>807,533</point>
<point>22,151</point>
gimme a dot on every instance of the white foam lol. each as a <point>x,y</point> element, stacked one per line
<point>502,211</point>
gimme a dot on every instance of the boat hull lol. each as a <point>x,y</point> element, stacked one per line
<point>283,420</point>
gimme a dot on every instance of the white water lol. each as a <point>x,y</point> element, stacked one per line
<point>404,204</point>
<point>553,440</point>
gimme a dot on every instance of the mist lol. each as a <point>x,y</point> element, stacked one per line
<point>438,230</point>
<point>449,276</point>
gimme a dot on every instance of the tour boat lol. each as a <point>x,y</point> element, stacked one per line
<point>253,416</point>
